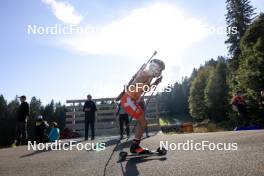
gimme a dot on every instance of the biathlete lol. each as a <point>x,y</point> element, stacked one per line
<point>130,100</point>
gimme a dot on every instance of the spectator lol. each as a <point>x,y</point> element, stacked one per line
<point>89,109</point>
<point>41,127</point>
<point>54,132</point>
<point>123,119</point>
<point>21,124</point>
<point>239,105</point>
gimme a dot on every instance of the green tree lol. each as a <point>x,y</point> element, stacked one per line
<point>3,107</point>
<point>251,70</point>
<point>239,15</point>
<point>175,103</point>
<point>216,92</point>
<point>60,114</point>
<point>55,112</point>
<point>12,108</point>
<point>8,123</point>
<point>197,105</point>
<point>192,77</point>
<point>35,107</point>
<point>180,98</point>
<point>48,111</point>
<point>3,118</point>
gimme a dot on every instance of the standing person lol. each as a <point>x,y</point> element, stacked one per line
<point>89,109</point>
<point>54,132</point>
<point>131,97</point>
<point>41,126</point>
<point>123,119</point>
<point>21,124</point>
<point>239,105</point>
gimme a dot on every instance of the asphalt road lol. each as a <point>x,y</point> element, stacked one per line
<point>248,159</point>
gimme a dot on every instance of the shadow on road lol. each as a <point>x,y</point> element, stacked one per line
<point>123,144</point>
<point>118,146</point>
<point>47,150</point>
<point>34,153</point>
<point>131,165</point>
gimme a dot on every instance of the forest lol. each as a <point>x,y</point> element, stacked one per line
<point>205,94</point>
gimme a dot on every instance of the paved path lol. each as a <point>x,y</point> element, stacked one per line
<point>247,160</point>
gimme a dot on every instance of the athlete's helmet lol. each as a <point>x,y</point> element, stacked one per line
<point>156,66</point>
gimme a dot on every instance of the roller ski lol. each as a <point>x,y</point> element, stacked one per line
<point>145,153</point>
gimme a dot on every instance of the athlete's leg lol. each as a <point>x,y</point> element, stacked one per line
<point>140,128</point>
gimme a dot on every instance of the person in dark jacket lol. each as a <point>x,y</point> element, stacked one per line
<point>123,119</point>
<point>89,109</point>
<point>41,126</point>
<point>21,124</point>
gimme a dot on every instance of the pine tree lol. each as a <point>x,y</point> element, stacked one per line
<point>35,107</point>
<point>239,15</point>
<point>216,92</point>
<point>197,105</point>
<point>251,70</point>
<point>48,111</point>
<point>12,108</point>
<point>60,114</point>
<point>3,107</point>
<point>8,124</point>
